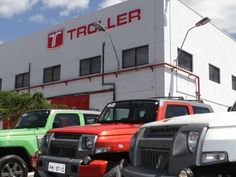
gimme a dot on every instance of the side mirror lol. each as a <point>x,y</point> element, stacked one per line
<point>55,124</point>
<point>229,108</point>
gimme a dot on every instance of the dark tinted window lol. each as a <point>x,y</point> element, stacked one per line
<point>90,118</point>
<point>185,60</point>
<point>200,110</point>
<point>64,120</point>
<point>90,66</point>
<point>214,73</point>
<point>34,119</point>
<point>176,110</point>
<point>52,74</point>
<point>233,82</point>
<point>130,111</point>
<point>135,57</point>
<point>22,80</point>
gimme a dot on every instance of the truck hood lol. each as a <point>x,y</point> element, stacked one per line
<point>101,129</point>
<point>17,132</point>
<point>223,119</point>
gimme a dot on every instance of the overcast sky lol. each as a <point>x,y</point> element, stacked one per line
<point>22,17</point>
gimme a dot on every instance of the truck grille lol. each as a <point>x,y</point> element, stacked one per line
<point>66,136</point>
<point>160,132</point>
<point>63,151</point>
<point>154,158</point>
<point>64,145</point>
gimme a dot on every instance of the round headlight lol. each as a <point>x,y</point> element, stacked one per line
<point>89,142</point>
<point>192,140</point>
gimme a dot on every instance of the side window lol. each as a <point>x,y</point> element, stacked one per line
<point>200,110</point>
<point>90,118</point>
<point>64,120</point>
<point>176,110</point>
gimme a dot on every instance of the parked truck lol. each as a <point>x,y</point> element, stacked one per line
<point>188,146</point>
<point>18,144</point>
<point>96,150</point>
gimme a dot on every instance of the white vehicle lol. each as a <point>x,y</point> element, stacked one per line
<point>188,146</point>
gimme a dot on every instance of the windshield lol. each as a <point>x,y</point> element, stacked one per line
<point>130,111</point>
<point>34,119</point>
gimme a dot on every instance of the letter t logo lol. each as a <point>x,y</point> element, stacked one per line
<point>55,39</point>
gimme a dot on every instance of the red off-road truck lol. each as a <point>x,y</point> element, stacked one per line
<point>96,150</point>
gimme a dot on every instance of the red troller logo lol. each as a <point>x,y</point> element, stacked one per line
<point>55,39</point>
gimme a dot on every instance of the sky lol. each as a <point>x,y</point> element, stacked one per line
<point>22,17</point>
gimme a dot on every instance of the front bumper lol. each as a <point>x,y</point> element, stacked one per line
<point>130,171</point>
<point>71,166</point>
<point>74,168</point>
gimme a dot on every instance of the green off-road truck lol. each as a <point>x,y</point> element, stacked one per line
<point>18,144</point>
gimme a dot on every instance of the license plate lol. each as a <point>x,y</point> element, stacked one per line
<point>57,167</point>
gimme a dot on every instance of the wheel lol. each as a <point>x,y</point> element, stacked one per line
<point>13,166</point>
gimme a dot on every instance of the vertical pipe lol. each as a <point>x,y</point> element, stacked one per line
<point>103,83</point>
<point>29,78</point>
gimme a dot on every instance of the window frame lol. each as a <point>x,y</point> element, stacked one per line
<point>233,82</point>
<point>135,56</point>
<point>52,68</point>
<point>179,52</point>
<point>91,62</point>
<point>23,82</point>
<point>215,69</point>
<point>169,107</point>
<point>68,117</point>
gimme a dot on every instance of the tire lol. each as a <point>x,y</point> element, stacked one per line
<point>114,172</point>
<point>13,166</point>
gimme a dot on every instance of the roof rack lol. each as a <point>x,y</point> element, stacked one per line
<point>200,101</point>
<point>170,97</point>
<point>177,98</point>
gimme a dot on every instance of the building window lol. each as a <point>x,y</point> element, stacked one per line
<point>22,80</point>
<point>185,60</point>
<point>0,84</point>
<point>135,57</point>
<point>233,82</point>
<point>90,66</point>
<point>214,73</point>
<point>52,74</point>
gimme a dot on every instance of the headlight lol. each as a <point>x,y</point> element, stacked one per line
<point>46,139</point>
<point>210,157</point>
<point>39,140</point>
<point>192,140</point>
<point>87,142</point>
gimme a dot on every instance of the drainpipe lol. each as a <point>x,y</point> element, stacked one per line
<point>29,78</point>
<point>108,83</point>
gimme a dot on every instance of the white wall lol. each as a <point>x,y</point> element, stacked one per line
<point>207,44</point>
<point>16,55</point>
<point>162,27</point>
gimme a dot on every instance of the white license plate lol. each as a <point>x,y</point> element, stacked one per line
<point>57,167</point>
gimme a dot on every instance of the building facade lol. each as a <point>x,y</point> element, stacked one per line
<point>65,61</point>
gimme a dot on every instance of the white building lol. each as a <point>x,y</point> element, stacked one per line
<point>64,61</point>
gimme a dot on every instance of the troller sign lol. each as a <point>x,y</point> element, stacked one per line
<point>56,38</point>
